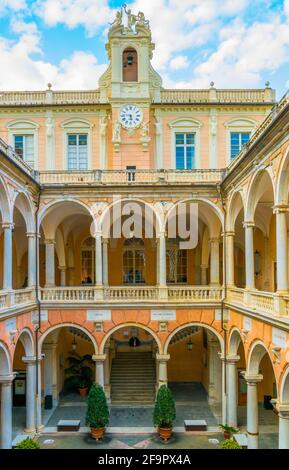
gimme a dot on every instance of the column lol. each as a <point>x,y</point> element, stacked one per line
<point>50,375</point>
<point>31,259</point>
<point>99,360</point>
<point>162,360</point>
<point>283,413</point>
<point>6,411</point>
<point>30,393</point>
<point>229,239</point>
<point>98,259</point>
<point>38,398</point>
<point>62,270</point>
<point>232,418</point>
<point>204,276</point>
<point>282,249</point>
<point>162,274</point>
<point>105,261</point>
<point>215,262</point>
<point>249,251</point>
<point>252,410</point>
<point>7,258</point>
<point>215,372</point>
<point>50,263</point>
<point>107,372</point>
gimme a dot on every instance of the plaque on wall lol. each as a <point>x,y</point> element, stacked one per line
<point>98,315</point>
<point>279,338</point>
<point>163,315</point>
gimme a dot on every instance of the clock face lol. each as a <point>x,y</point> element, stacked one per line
<point>130,116</point>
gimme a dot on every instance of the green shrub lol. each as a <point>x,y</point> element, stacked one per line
<point>79,373</point>
<point>227,428</point>
<point>165,409</point>
<point>230,444</point>
<point>97,415</point>
<point>28,443</point>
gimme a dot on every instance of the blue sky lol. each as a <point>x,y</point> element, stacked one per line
<point>229,42</point>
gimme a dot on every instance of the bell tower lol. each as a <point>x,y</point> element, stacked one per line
<point>130,49</point>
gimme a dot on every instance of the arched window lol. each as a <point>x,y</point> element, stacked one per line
<point>134,261</point>
<point>129,65</point>
<point>88,261</point>
<point>177,264</point>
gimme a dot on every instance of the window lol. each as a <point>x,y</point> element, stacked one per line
<point>77,152</point>
<point>24,147</point>
<point>88,261</point>
<point>176,263</point>
<point>185,151</point>
<point>238,139</point>
<point>130,65</point>
<point>133,261</point>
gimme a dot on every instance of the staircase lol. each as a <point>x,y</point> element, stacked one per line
<point>133,378</point>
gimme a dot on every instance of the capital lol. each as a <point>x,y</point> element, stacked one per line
<point>49,241</point>
<point>99,357</point>
<point>7,379</point>
<point>32,235</point>
<point>163,357</point>
<point>29,359</point>
<point>248,224</point>
<point>229,233</point>
<point>214,240</point>
<point>280,209</point>
<point>8,225</point>
<point>252,379</point>
<point>232,359</point>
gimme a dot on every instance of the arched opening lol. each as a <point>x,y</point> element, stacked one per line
<point>24,384</point>
<point>237,361</point>
<point>67,372</point>
<point>130,65</point>
<point>259,404</point>
<point>66,249</point>
<point>195,373</point>
<point>130,365</point>
<point>236,220</point>
<point>260,210</point>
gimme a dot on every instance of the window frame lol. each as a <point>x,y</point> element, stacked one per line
<point>76,126</point>
<point>185,126</point>
<point>25,128</point>
<point>237,125</point>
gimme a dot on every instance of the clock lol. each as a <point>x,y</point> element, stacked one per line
<point>130,116</point>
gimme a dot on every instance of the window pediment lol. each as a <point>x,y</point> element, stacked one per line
<point>77,124</point>
<point>185,122</point>
<point>22,125</point>
<point>241,123</point>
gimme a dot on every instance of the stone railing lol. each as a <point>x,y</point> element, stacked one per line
<point>195,294</point>
<point>16,298</point>
<point>130,177</point>
<point>8,151</point>
<point>263,302</point>
<point>49,97</point>
<point>131,294</point>
<point>213,95</point>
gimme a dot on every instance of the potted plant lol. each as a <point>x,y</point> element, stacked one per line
<point>79,374</point>
<point>227,430</point>
<point>28,443</point>
<point>97,415</point>
<point>164,412</point>
<point>230,444</point>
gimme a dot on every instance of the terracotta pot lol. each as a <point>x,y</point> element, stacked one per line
<point>97,433</point>
<point>83,392</point>
<point>165,433</point>
<point>227,435</point>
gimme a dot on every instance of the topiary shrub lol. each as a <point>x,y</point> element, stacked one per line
<point>28,443</point>
<point>97,415</point>
<point>230,444</point>
<point>165,409</point>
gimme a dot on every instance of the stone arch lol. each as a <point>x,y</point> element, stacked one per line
<point>236,204</point>
<point>49,207</point>
<point>284,387</point>
<point>26,339</point>
<point>215,223</point>
<point>235,339</point>
<point>283,180</point>
<point>99,223</point>
<point>186,325</point>
<point>25,206</point>
<point>5,205</point>
<point>124,325</point>
<point>5,362</point>
<point>255,191</point>
<point>256,353</point>
<point>72,325</point>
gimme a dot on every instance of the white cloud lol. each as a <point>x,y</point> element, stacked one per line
<point>91,14</point>
<point>79,71</point>
<point>179,62</point>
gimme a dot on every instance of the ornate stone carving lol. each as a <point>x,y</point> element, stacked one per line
<point>132,24</point>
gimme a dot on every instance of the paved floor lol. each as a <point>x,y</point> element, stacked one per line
<point>144,441</point>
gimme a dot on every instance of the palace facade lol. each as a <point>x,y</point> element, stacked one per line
<point>216,314</point>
